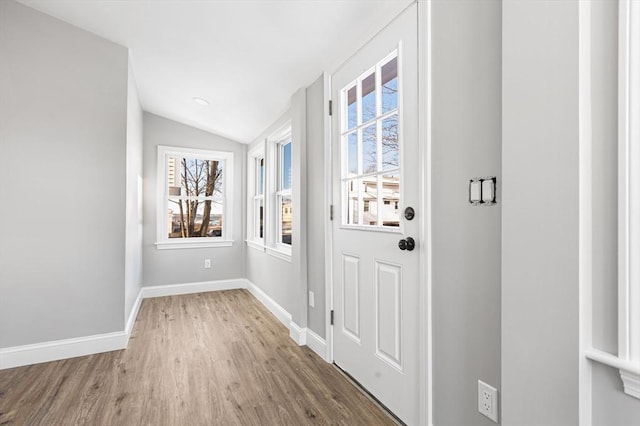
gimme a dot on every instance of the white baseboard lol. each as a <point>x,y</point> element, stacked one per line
<point>301,335</point>
<point>133,315</point>
<point>316,344</point>
<point>273,306</point>
<point>18,356</point>
<point>306,337</point>
<point>298,334</point>
<point>70,348</point>
<point>190,288</point>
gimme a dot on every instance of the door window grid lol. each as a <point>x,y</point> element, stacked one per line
<point>370,147</point>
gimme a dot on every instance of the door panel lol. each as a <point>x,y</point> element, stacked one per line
<point>375,170</point>
<point>351,297</point>
<point>389,313</point>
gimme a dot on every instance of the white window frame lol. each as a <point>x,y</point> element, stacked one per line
<point>629,194</point>
<point>627,361</point>
<point>258,152</point>
<point>274,193</point>
<point>162,239</point>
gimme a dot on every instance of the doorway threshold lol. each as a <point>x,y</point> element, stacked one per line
<point>369,396</point>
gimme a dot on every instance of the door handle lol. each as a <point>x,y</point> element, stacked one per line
<point>407,244</point>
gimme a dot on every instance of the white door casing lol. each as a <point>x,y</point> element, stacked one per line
<point>376,290</point>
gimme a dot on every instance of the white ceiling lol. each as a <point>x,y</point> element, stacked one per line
<point>246,57</point>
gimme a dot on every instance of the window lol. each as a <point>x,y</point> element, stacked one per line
<point>258,198</point>
<point>256,203</point>
<point>194,195</point>
<point>283,193</point>
<point>270,199</point>
<point>371,147</point>
<point>629,196</point>
<point>627,359</point>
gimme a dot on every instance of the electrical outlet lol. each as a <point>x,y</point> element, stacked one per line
<point>488,400</point>
<point>312,299</point>
<point>207,263</point>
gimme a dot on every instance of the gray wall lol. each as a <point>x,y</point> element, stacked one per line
<point>161,267</point>
<point>316,204</point>
<point>283,281</point>
<point>611,406</point>
<point>605,168</point>
<point>133,243</point>
<point>466,240</point>
<point>63,113</point>
<point>540,213</point>
<point>299,204</point>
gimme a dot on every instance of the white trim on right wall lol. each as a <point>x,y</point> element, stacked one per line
<point>628,194</point>
<point>629,182</point>
<point>628,358</point>
<point>426,267</point>
<point>585,393</point>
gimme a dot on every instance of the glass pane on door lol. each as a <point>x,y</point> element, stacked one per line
<point>371,147</point>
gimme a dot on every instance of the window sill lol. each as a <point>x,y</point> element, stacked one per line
<point>280,254</point>
<point>170,245</point>
<point>255,245</point>
<point>629,372</point>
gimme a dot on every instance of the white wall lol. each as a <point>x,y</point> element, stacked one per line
<point>178,266</point>
<point>611,406</point>
<point>63,133</point>
<point>466,137</point>
<point>540,213</point>
<point>133,243</point>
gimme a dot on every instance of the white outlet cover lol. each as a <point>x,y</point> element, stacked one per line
<point>488,400</point>
<point>312,299</point>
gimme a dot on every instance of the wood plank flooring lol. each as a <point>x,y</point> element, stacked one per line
<point>216,358</point>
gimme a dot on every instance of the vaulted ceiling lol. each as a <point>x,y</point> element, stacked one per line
<point>245,57</point>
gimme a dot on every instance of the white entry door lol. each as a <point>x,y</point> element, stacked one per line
<point>375,178</point>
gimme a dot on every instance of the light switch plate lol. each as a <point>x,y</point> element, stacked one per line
<point>489,191</point>
<point>475,191</point>
<point>482,191</point>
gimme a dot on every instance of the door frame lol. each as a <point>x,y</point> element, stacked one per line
<point>425,235</point>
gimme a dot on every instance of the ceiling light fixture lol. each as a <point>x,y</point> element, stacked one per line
<point>201,101</point>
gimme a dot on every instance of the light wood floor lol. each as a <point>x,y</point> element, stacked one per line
<point>215,358</point>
